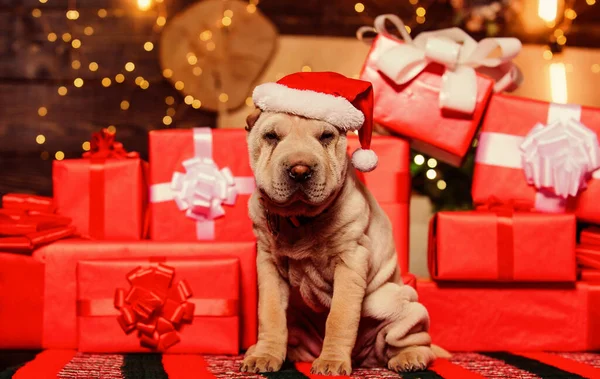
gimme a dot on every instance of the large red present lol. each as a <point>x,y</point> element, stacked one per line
<point>21,302</point>
<point>201,182</point>
<point>542,155</point>
<point>104,193</point>
<point>175,305</point>
<point>525,318</point>
<point>390,185</point>
<point>502,245</point>
<point>61,258</point>
<point>427,89</point>
<point>590,236</point>
<point>588,257</point>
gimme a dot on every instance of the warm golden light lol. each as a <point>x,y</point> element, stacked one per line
<point>88,31</point>
<point>192,59</point>
<point>441,185</point>
<point>419,159</point>
<point>161,21</point>
<point>78,82</point>
<point>72,15</point>
<point>359,7</point>
<point>431,174</point>
<point>124,105</point>
<point>129,66</point>
<point>205,35</point>
<point>197,71</point>
<point>570,14</point>
<point>52,37</point>
<point>148,46</point>
<point>210,46</point>
<point>76,44</point>
<point>414,2</point>
<point>179,85</point>
<point>119,78</point>
<point>196,104</point>
<point>86,146</point>
<point>558,32</point>
<point>408,29</point>
<point>558,83</point>
<point>171,112</point>
<point>66,37</point>
<point>431,162</point>
<point>590,2</point>
<point>62,90</point>
<point>226,21</point>
<point>228,13</point>
<point>250,8</point>
<point>420,11</point>
<point>144,5</point>
<point>547,55</point>
<point>420,20</point>
<point>76,64</point>
<point>169,100</point>
<point>59,155</point>
<point>547,10</point>
<point>223,97</point>
<point>36,13</point>
<point>139,80</point>
<point>43,1</point>
<point>106,82</point>
<point>111,129</point>
<point>189,99</point>
<point>249,102</point>
<point>306,69</point>
<point>93,66</point>
<point>167,120</point>
<point>561,40</point>
<point>145,84</point>
<point>40,139</point>
<point>167,73</point>
<point>102,13</point>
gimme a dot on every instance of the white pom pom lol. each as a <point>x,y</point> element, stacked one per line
<point>364,160</point>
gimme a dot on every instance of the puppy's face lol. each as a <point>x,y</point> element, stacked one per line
<point>298,163</point>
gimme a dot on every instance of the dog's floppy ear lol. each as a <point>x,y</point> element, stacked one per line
<point>252,118</point>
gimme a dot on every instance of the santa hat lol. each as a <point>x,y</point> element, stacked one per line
<point>343,102</point>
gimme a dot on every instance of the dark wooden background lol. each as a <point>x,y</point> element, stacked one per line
<point>32,68</point>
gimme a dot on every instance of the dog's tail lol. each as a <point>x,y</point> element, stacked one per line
<point>440,352</point>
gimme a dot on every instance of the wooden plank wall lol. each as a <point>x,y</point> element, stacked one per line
<point>32,68</point>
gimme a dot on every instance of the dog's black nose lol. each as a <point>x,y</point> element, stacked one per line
<point>300,172</point>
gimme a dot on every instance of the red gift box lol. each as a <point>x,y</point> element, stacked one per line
<point>502,245</point>
<point>22,302</point>
<point>425,91</point>
<point>589,275</point>
<point>201,182</point>
<point>499,166</point>
<point>500,318</point>
<point>390,185</point>
<point>104,193</point>
<point>588,256</point>
<point>61,258</point>
<point>28,202</point>
<point>175,305</point>
<point>590,236</point>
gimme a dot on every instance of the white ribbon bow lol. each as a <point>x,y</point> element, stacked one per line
<point>203,189</point>
<point>560,156</point>
<point>457,52</point>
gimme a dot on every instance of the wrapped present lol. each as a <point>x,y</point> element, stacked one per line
<point>201,182</point>
<point>390,185</point>
<point>60,294</point>
<point>590,236</point>
<point>175,305</point>
<point>502,245</point>
<point>588,257</point>
<point>542,155</point>
<point>22,302</point>
<point>589,275</point>
<point>26,223</point>
<point>525,318</point>
<point>427,89</point>
<point>105,192</point>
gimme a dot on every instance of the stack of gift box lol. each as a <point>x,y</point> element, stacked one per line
<point>510,274</point>
<point>134,256</point>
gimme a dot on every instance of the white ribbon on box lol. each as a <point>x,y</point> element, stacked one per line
<point>204,188</point>
<point>560,156</point>
<point>453,48</point>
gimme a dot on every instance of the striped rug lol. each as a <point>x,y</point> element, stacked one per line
<point>66,364</point>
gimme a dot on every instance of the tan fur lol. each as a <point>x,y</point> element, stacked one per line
<point>338,269</point>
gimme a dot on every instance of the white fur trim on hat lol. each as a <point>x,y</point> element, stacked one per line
<point>364,160</point>
<point>336,110</point>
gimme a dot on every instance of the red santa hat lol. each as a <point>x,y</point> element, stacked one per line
<point>343,102</point>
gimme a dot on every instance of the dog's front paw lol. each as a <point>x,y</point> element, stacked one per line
<point>257,362</point>
<point>322,366</point>
<point>414,358</point>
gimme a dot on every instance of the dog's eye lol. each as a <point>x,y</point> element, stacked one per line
<point>326,136</point>
<point>271,136</point>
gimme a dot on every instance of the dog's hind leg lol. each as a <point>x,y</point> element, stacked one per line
<point>404,344</point>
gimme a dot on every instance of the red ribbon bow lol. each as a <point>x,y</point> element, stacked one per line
<point>104,145</point>
<point>154,307</point>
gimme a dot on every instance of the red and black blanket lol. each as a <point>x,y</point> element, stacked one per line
<point>67,364</point>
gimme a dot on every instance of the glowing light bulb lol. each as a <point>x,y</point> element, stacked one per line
<point>78,82</point>
<point>161,21</point>
<point>441,185</point>
<point>250,8</point>
<point>558,83</point>
<point>210,46</point>
<point>167,120</point>
<point>111,129</point>
<point>148,46</point>
<point>431,162</point>
<point>119,78</point>
<point>189,99</point>
<point>59,155</point>
<point>52,37</point>
<point>197,71</point>
<point>196,104</point>
<point>167,73</point>
<point>106,82</point>
<point>179,85</point>
<point>359,7</point>
<point>102,13</point>
<point>169,100</point>
<point>419,159</point>
<point>171,112</point>
<point>228,13</point>
<point>76,44</point>
<point>62,90</point>
<point>144,5</point>
<point>88,31</point>
<point>226,21</point>
<point>66,37</point>
<point>145,84</point>
<point>547,10</point>
<point>86,146</point>
<point>129,66</point>
<point>205,35</point>
<point>36,13</point>
<point>93,66</point>
<point>223,98</point>
<point>124,105</point>
<point>431,174</point>
<point>192,59</point>
<point>40,139</point>
<point>420,11</point>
